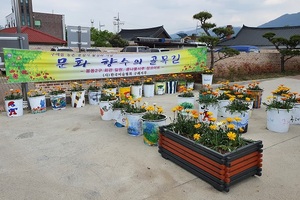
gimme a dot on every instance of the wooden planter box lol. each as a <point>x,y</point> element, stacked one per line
<point>219,170</point>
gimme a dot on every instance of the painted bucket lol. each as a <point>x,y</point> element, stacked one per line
<point>295,119</point>
<point>160,88</point>
<point>171,87</point>
<point>94,97</point>
<point>106,111</point>
<point>244,116</point>
<point>124,92</point>
<point>119,118</point>
<point>204,109</point>
<point>78,99</point>
<point>207,79</point>
<point>14,108</point>
<point>151,130</point>
<point>136,91</point>
<point>37,104</point>
<point>257,96</point>
<point>148,90</point>
<point>221,108</point>
<point>190,85</point>
<point>58,102</point>
<point>134,123</point>
<point>278,120</point>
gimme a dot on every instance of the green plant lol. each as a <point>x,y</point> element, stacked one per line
<point>13,94</point>
<point>206,70</point>
<point>172,77</point>
<point>254,86</point>
<point>184,92</point>
<point>36,93</point>
<point>154,112</point>
<point>57,90</point>
<point>135,105</point>
<point>207,96</point>
<point>285,102</point>
<point>148,81</point>
<point>76,87</point>
<point>236,105</point>
<point>107,96</point>
<point>281,89</point>
<point>220,136</point>
<point>93,85</point>
<point>109,83</point>
<point>119,104</point>
<point>124,83</point>
<point>136,81</point>
<point>189,78</point>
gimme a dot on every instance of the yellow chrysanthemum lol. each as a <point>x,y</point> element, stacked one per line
<point>230,126</point>
<point>241,130</point>
<point>238,119</point>
<point>212,119</point>
<point>229,119</point>
<point>197,136</point>
<point>231,135</point>
<point>174,109</point>
<point>197,125</point>
<point>247,99</point>
<point>213,127</point>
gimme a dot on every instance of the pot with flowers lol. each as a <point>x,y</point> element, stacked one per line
<point>136,88</point>
<point>58,98</point>
<point>13,100</point>
<point>181,81</point>
<point>281,91</point>
<point>208,103</point>
<point>118,107</point>
<point>256,92</point>
<point>207,76</point>
<point>239,110</point>
<point>189,81</point>
<point>295,98</point>
<point>37,100</point>
<point>105,103</point>
<point>171,83</point>
<point>77,95</point>
<point>134,111</point>
<point>124,88</point>
<point>148,87</point>
<point>110,85</point>
<point>186,96</point>
<point>213,151</point>
<point>160,85</point>
<point>279,112</point>
<point>225,92</point>
<point>94,92</point>
<point>151,121</point>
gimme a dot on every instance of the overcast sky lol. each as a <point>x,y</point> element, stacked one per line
<point>174,15</point>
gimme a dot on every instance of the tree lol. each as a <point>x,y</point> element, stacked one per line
<point>286,47</point>
<point>106,39</point>
<point>212,41</point>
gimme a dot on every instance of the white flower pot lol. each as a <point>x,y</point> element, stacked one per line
<point>221,108</point>
<point>136,91</point>
<point>78,99</point>
<point>160,88</point>
<point>204,109</point>
<point>119,117</point>
<point>278,120</point>
<point>148,90</point>
<point>106,111</point>
<point>37,104</point>
<point>207,79</point>
<point>14,108</point>
<point>94,97</point>
<point>295,119</point>
<point>58,101</point>
<point>244,116</point>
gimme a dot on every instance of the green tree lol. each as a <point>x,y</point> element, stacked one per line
<point>106,39</point>
<point>212,41</point>
<point>286,47</point>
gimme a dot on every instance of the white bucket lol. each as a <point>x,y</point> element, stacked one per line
<point>207,79</point>
<point>295,119</point>
<point>14,108</point>
<point>136,91</point>
<point>94,97</point>
<point>149,90</point>
<point>203,109</point>
<point>37,104</point>
<point>221,108</point>
<point>278,120</point>
<point>106,110</point>
<point>78,99</point>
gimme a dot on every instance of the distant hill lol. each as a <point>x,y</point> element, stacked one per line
<point>284,20</point>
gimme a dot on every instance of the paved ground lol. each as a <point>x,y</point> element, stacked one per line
<point>73,154</point>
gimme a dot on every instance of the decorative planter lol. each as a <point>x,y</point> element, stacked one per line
<point>134,123</point>
<point>160,88</point>
<point>124,92</point>
<point>219,170</point>
<point>171,87</point>
<point>207,79</point>
<point>190,85</point>
<point>94,97</point>
<point>37,104</point>
<point>221,108</point>
<point>150,130</point>
<point>58,101</point>
<point>295,119</point>
<point>181,100</point>
<point>257,96</point>
<point>106,111</point>
<point>119,118</point>
<point>278,120</point>
<point>78,99</point>
<point>148,90</point>
<point>110,90</point>
<point>136,91</point>
<point>204,109</point>
<point>181,83</point>
<point>14,107</point>
<point>244,116</point>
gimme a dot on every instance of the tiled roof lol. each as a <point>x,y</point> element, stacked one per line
<point>254,36</point>
<point>155,32</point>
<point>36,36</point>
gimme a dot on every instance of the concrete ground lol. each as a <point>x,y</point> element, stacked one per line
<point>73,154</point>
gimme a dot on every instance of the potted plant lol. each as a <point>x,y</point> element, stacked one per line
<point>186,95</point>
<point>152,119</point>
<point>295,98</point>
<point>110,85</point>
<point>134,111</point>
<point>118,107</point>
<point>225,92</point>
<point>148,87</point>
<point>279,111</point>
<point>160,84</point>
<point>189,81</point>
<point>136,88</point>
<point>207,76</point>
<point>77,95</point>
<point>124,88</point>
<point>256,92</point>
<point>181,81</point>
<point>37,100</point>
<point>171,83</point>
<point>105,103</point>
<point>94,92</point>
<point>58,98</point>
<point>208,102</point>
<point>13,100</point>
<point>213,151</point>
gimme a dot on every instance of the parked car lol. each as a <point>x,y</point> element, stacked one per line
<point>243,48</point>
<point>90,49</point>
<point>136,49</point>
<point>61,49</point>
<point>158,50</point>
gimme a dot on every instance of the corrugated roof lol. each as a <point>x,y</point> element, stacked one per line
<point>36,36</point>
<point>155,32</point>
<point>254,36</point>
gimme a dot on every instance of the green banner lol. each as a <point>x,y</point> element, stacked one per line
<point>40,66</point>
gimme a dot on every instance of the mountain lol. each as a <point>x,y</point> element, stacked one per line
<point>284,20</point>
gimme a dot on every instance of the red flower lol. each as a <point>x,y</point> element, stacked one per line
<point>15,76</point>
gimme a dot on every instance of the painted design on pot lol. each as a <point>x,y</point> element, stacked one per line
<point>12,108</point>
<point>77,98</point>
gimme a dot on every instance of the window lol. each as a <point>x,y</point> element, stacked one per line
<point>37,23</point>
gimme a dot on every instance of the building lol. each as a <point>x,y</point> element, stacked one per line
<point>52,24</point>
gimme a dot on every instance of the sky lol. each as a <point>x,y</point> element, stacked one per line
<point>174,15</point>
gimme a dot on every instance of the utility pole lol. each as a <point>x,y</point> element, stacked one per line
<point>100,25</point>
<point>92,23</point>
<point>117,23</point>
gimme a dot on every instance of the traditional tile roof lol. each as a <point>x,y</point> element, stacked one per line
<point>36,36</point>
<point>155,32</point>
<point>254,36</point>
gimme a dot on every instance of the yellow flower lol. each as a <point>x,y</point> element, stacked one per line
<point>231,135</point>
<point>229,119</point>
<point>212,119</point>
<point>210,113</point>
<point>230,126</point>
<point>196,136</point>
<point>247,99</point>
<point>174,109</point>
<point>213,127</point>
<point>241,130</point>
<point>238,119</point>
<point>197,125</point>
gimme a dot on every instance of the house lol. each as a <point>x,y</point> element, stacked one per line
<point>254,36</point>
<point>36,37</point>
